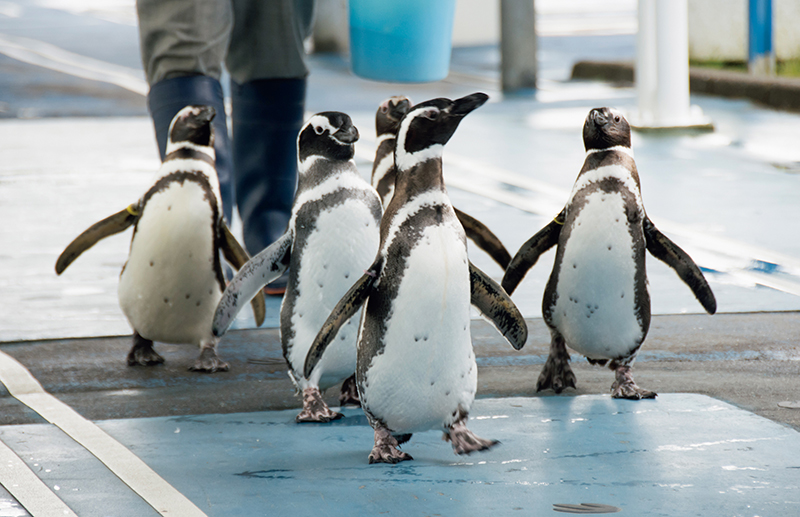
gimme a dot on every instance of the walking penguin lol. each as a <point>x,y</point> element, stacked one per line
<point>333,236</point>
<point>172,281</point>
<point>416,368</point>
<point>597,300</point>
<point>384,171</point>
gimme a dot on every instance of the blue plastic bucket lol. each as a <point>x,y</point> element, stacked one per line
<point>401,40</point>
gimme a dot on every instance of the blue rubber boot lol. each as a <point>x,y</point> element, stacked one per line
<point>168,97</point>
<point>267,117</point>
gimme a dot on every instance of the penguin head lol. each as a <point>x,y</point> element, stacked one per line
<point>390,112</point>
<point>329,134</point>
<point>428,126</point>
<point>192,126</point>
<point>604,128</point>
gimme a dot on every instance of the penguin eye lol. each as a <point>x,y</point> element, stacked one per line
<point>617,118</point>
<point>384,108</point>
<point>319,130</point>
<point>431,114</point>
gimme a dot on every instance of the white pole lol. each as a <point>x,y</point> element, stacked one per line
<point>672,57</point>
<point>662,67</point>
<point>646,76</point>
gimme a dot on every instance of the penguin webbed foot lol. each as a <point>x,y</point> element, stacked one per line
<point>209,362</point>
<point>142,353</point>
<point>624,386</point>
<point>556,374</point>
<point>465,441</point>
<point>386,449</point>
<point>315,409</point>
<point>349,393</point>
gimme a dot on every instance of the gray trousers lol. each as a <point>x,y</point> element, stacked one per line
<point>255,39</point>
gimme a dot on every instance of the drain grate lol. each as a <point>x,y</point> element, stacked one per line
<point>586,508</point>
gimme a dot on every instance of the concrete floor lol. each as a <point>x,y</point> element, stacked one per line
<point>749,360</point>
<point>227,441</point>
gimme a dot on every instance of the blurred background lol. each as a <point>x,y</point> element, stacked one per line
<point>77,143</point>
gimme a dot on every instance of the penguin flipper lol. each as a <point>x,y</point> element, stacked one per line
<point>493,302</point>
<point>257,272</point>
<point>486,240</point>
<point>236,255</point>
<point>662,248</point>
<point>353,299</point>
<point>529,253</point>
<point>100,230</point>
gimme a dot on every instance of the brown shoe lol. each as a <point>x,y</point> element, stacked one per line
<point>276,290</point>
<point>278,286</point>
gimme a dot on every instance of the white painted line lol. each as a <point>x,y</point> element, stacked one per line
<point>135,473</point>
<point>27,488</point>
<point>55,58</point>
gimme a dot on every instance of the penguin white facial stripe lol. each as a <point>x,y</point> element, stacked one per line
<point>620,148</point>
<point>411,207</point>
<point>320,125</point>
<point>611,171</point>
<point>407,160</point>
<point>382,138</point>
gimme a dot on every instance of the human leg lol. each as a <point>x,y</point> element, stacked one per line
<point>183,46</point>
<point>266,63</point>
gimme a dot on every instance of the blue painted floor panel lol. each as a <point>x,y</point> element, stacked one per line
<point>678,455</point>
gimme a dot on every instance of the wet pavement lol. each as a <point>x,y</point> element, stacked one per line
<point>708,445</point>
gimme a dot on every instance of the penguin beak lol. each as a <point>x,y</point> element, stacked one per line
<point>397,111</point>
<point>347,134</point>
<point>465,105</point>
<point>205,114</point>
<point>599,116</point>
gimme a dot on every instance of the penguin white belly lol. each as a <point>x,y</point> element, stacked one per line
<point>594,310</point>
<point>427,369</point>
<point>169,288</point>
<point>341,247</point>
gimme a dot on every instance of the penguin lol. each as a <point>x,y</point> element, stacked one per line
<point>172,280</point>
<point>332,237</point>
<point>596,300</point>
<point>387,122</point>
<point>416,369</point>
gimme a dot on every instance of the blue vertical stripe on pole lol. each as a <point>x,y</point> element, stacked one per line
<point>760,29</point>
